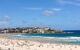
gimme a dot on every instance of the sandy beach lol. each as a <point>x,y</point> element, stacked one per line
<point>18,44</point>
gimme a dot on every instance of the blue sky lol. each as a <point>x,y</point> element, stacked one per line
<point>58,14</point>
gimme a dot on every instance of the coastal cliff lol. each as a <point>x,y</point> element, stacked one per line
<point>29,30</point>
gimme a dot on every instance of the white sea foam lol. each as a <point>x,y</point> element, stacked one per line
<point>77,38</point>
<point>65,38</point>
<point>56,38</point>
<point>18,35</point>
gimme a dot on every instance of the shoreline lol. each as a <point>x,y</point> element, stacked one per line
<point>51,41</point>
<point>23,44</point>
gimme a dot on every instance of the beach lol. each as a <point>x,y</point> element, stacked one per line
<point>22,44</point>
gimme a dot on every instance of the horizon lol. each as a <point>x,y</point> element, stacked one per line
<point>58,14</point>
<point>38,26</point>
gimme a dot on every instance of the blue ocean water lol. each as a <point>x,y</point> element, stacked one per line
<point>68,37</point>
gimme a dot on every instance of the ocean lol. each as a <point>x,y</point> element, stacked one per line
<point>68,37</point>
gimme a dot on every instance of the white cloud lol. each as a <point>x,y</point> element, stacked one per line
<point>56,9</point>
<point>4,23</point>
<point>77,0</point>
<point>51,11</point>
<point>28,8</point>
<point>48,13</point>
<point>60,1</point>
<point>5,18</point>
<point>71,2</point>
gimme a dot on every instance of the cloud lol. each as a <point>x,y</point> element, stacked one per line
<point>71,2</point>
<point>77,0</point>
<point>56,9</point>
<point>4,23</point>
<point>60,1</point>
<point>27,8</point>
<point>5,18</point>
<point>51,11</point>
<point>48,13</point>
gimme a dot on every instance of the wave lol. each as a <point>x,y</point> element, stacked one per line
<point>66,40</point>
<point>71,38</point>
<point>64,37</point>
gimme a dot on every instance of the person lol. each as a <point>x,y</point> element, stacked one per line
<point>8,48</point>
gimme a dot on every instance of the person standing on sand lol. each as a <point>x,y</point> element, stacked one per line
<point>8,48</point>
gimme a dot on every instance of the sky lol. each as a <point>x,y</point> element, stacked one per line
<point>58,14</point>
